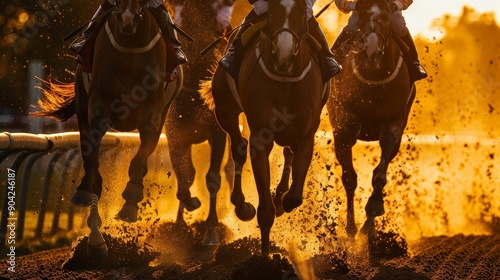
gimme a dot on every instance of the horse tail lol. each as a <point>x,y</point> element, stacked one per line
<point>57,101</point>
<point>205,90</point>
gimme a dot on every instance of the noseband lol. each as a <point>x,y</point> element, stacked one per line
<point>295,36</point>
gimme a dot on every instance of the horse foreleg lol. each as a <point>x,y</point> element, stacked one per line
<point>229,123</point>
<point>284,183</point>
<point>390,140</point>
<point>302,156</point>
<point>265,210</point>
<point>133,193</point>
<point>213,180</point>
<point>96,246</point>
<point>343,152</point>
<point>90,141</point>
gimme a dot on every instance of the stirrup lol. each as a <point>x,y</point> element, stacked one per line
<point>77,44</point>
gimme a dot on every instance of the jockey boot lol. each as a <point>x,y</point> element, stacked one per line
<point>91,28</point>
<point>329,67</point>
<point>165,22</point>
<point>419,70</point>
<point>231,60</point>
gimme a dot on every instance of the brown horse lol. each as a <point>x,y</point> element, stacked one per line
<point>281,93</point>
<point>370,101</point>
<point>130,88</point>
<point>190,121</point>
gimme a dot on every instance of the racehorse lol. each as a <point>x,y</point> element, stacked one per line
<point>189,120</point>
<point>281,93</point>
<point>370,101</point>
<point>130,88</point>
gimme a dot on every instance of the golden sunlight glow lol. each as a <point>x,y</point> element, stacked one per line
<point>23,17</point>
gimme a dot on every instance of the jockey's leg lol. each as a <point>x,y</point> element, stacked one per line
<point>399,28</point>
<point>91,28</point>
<point>346,33</point>
<point>408,40</point>
<point>231,60</point>
<point>329,67</point>
<point>163,18</point>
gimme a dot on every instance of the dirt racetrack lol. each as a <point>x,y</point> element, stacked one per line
<point>442,257</point>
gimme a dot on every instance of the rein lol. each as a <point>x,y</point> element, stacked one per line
<point>275,77</point>
<point>377,82</point>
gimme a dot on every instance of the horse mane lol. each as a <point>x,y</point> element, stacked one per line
<point>57,100</point>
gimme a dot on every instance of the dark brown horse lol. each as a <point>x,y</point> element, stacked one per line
<point>130,88</point>
<point>189,120</point>
<point>370,101</point>
<point>281,93</point>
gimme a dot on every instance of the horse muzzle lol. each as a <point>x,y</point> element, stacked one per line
<point>373,60</point>
<point>283,66</point>
<point>128,22</point>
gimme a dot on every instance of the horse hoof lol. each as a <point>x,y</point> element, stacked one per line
<point>279,210</point>
<point>368,228</point>
<point>374,207</point>
<point>351,230</point>
<point>211,238</point>
<point>97,251</point>
<point>82,198</point>
<point>128,213</point>
<point>191,203</point>
<point>290,203</point>
<point>278,205</point>
<point>246,213</point>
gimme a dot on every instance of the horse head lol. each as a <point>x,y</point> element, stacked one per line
<point>375,29</point>
<point>286,29</point>
<point>128,14</point>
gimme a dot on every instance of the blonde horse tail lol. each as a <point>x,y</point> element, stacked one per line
<point>57,101</point>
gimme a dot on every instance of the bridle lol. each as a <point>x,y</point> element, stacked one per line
<point>143,3</point>
<point>370,28</point>
<point>270,39</point>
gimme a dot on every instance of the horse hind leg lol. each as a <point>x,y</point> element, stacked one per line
<point>390,141</point>
<point>213,180</point>
<point>96,245</point>
<point>133,193</point>
<point>180,155</point>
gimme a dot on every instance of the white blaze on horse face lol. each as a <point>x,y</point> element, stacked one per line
<point>371,44</point>
<point>285,39</point>
<point>127,15</point>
